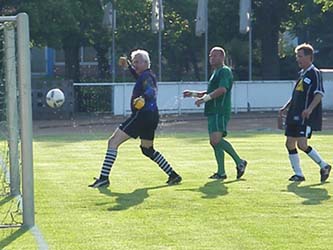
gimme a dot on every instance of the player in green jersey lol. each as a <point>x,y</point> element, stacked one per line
<point>217,100</point>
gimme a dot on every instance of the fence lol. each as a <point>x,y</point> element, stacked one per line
<point>246,96</point>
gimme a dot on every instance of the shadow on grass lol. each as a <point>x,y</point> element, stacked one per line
<point>311,193</point>
<point>13,235</point>
<point>212,189</point>
<point>126,200</point>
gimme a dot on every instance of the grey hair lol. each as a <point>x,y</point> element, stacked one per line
<point>143,53</point>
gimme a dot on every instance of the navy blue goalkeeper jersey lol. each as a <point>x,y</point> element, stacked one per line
<point>309,84</point>
<point>145,86</point>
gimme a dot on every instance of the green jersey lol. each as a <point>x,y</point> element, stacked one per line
<point>221,77</point>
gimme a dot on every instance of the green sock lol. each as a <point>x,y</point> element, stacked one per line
<point>226,146</point>
<point>219,156</point>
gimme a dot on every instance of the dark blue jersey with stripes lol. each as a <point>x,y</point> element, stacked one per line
<point>309,84</point>
<point>145,86</point>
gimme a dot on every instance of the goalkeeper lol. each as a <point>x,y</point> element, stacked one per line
<point>142,122</point>
<point>217,101</point>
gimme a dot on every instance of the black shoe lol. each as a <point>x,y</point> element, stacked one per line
<point>100,183</point>
<point>216,176</point>
<point>174,178</point>
<point>297,178</point>
<point>241,169</point>
<point>325,173</point>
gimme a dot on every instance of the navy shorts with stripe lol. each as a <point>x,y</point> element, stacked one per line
<point>293,130</point>
<point>141,124</point>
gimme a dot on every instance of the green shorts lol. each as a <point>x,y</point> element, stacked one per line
<point>218,123</point>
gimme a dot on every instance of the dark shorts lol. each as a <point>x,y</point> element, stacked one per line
<point>298,131</point>
<point>141,124</point>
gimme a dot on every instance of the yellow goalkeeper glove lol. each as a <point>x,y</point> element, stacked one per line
<point>139,102</point>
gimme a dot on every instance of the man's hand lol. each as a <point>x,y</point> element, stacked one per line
<point>193,93</point>
<point>122,62</point>
<point>199,101</point>
<point>187,93</point>
<point>282,112</point>
<point>203,99</point>
<point>139,102</point>
<point>306,113</point>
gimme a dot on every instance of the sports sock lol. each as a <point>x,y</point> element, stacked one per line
<point>110,157</point>
<point>314,155</point>
<point>227,147</point>
<point>295,162</point>
<point>219,156</point>
<point>162,162</point>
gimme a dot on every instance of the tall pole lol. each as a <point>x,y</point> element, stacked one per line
<point>113,41</point>
<point>250,59</point>
<point>250,45</point>
<point>206,42</point>
<point>159,55</point>
<point>24,70</point>
<point>160,40</point>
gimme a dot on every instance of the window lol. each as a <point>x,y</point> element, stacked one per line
<point>38,60</point>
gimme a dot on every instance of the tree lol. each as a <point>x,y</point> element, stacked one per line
<point>97,35</point>
<point>327,5</point>
<point>268,18</point>
<point>134,31</point>
<point>64,24</point>
<point>310,25</point>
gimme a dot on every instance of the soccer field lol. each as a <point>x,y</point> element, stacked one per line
<point>263,210</point>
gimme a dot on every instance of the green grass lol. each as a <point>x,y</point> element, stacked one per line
<point>261,211</point>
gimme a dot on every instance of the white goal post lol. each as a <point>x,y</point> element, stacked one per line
<point>24,115</point>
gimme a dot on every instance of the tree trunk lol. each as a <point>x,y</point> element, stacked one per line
<point>267,26</point>
<point>194,61</point>
<point>103,64</point>
<point>71,49</point>
<point>270,56</point>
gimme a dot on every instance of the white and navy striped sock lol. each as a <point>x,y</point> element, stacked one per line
<point>162,163</point>
<point>110,157</point>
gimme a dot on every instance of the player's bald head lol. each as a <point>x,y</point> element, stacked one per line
<point>218,49</point>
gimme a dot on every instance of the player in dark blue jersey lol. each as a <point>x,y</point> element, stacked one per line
<point>304,114</point>
<point>142,122</point>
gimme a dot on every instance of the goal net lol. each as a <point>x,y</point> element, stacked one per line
<point>16,164</point>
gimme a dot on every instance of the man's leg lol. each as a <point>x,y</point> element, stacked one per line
<point>294,159</point>
<point>227,147</point>
<point>325,168</point>
<point>215,141</point>
<point>219,156</point>
<point>114,142</point>
<point>149,151</point>
<point>240,164</point>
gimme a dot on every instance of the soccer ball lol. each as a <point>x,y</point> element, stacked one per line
<point>55,98</point>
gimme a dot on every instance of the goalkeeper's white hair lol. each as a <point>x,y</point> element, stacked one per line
<point>143,53</point>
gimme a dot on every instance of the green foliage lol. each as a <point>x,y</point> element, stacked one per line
<point>310,24</point>
<point>327,5</point>
<point>69,24</point>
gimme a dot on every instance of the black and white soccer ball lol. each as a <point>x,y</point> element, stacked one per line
<point>55,98</point>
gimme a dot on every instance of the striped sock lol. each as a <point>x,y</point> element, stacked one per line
<point>110,157</point>
<point>162,163</point>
